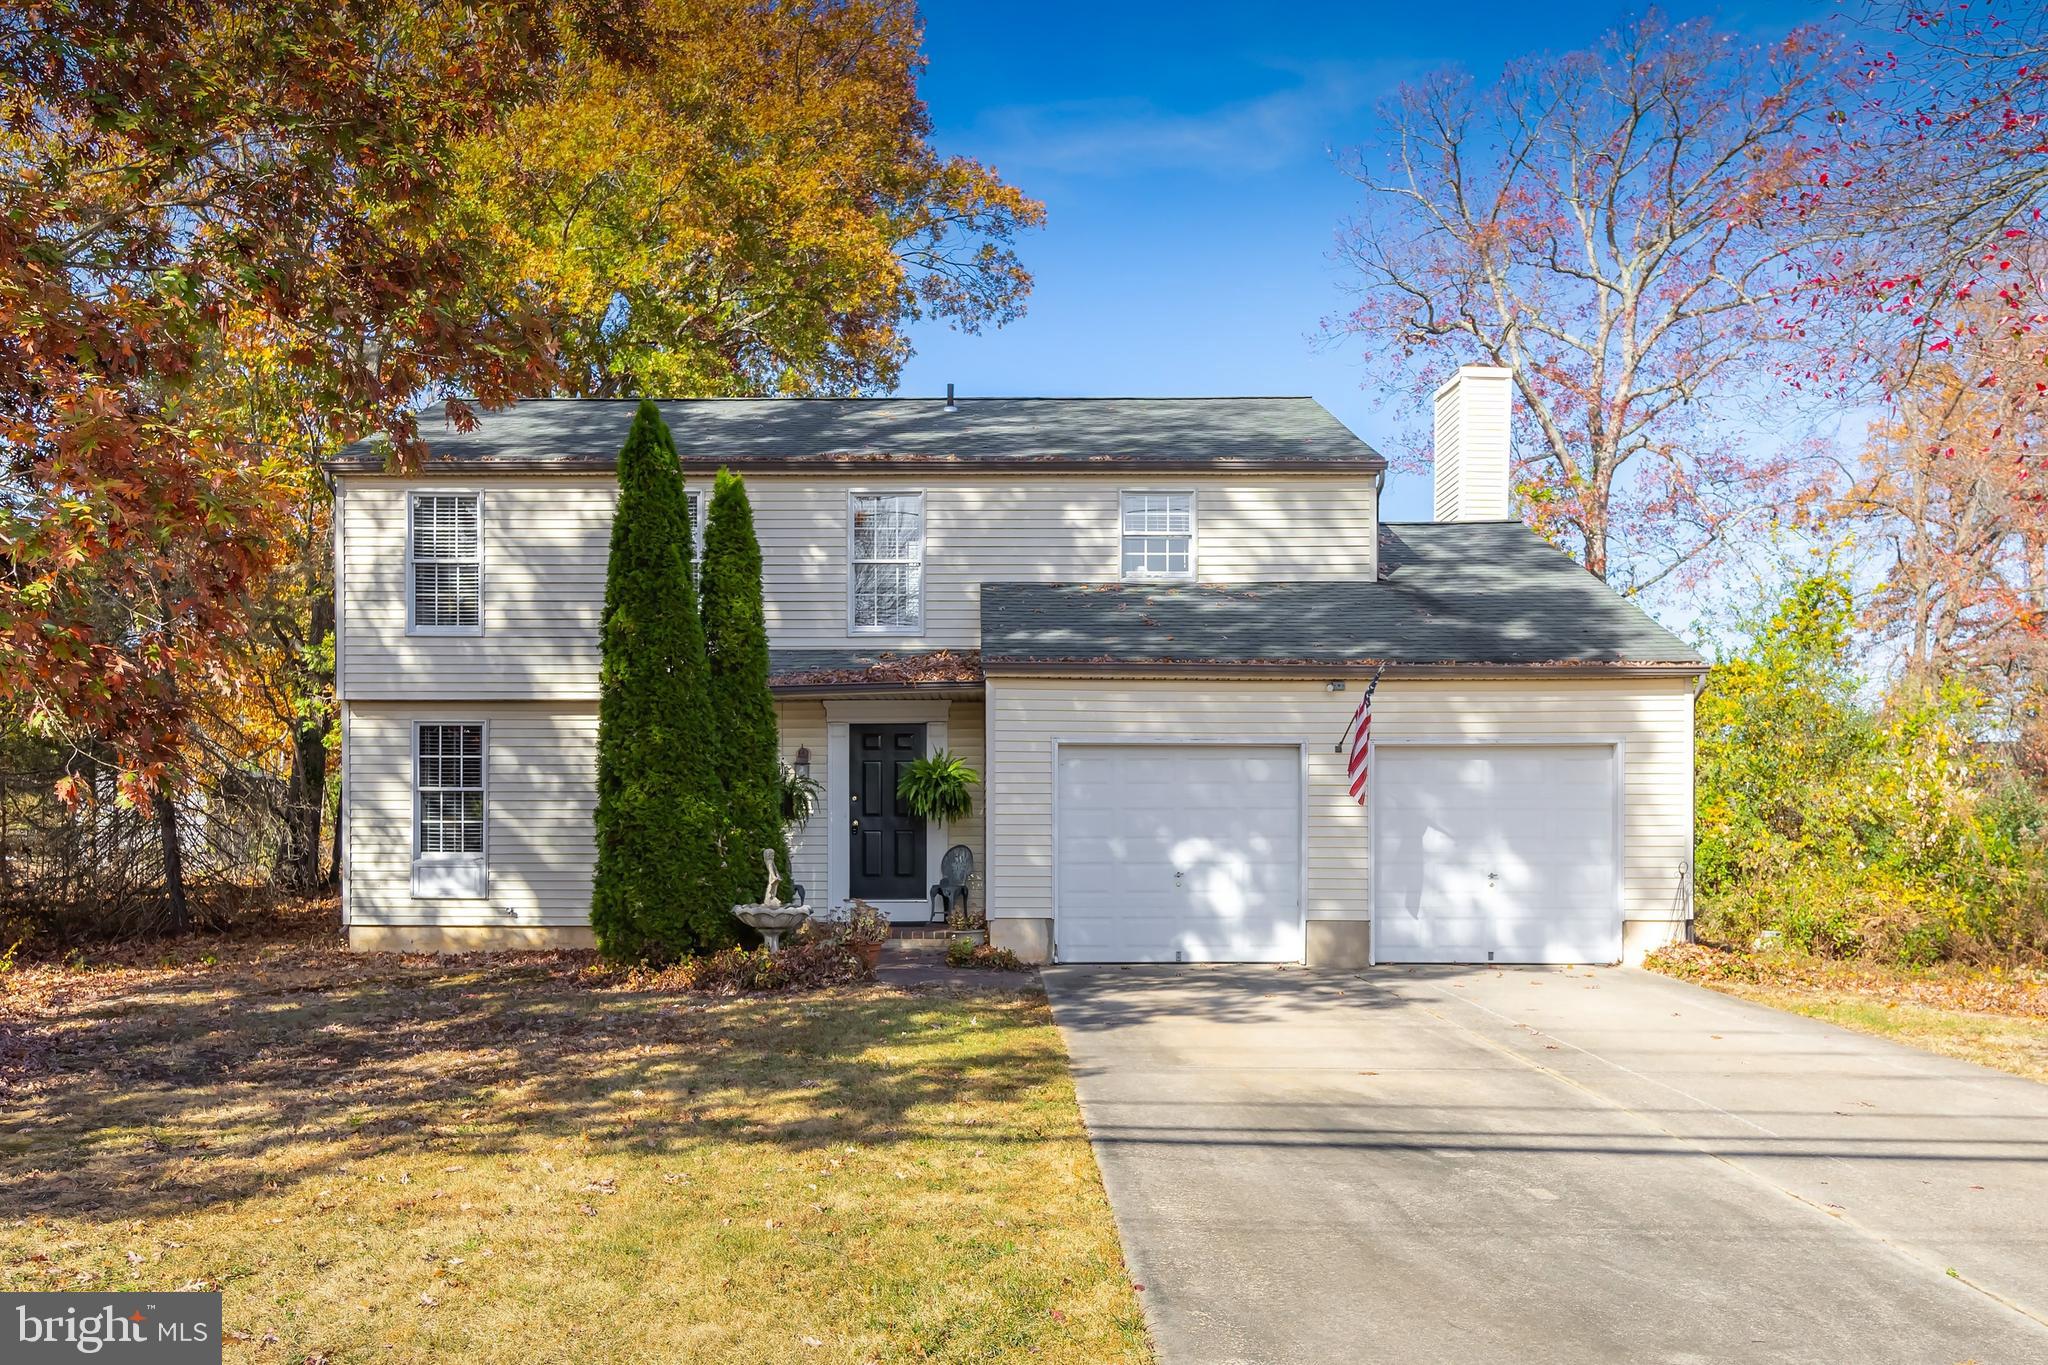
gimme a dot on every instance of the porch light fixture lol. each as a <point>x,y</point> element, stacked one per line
<point>1334,685</point>
<point>803,763</point>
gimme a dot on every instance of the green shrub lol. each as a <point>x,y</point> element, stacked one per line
<point>1887,830</point>
<point>938,787</point>
<point>962,952</point>
<point>736,646</point>
<point>660,889</point>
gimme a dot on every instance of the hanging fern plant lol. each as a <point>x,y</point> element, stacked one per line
<point>936,788</point>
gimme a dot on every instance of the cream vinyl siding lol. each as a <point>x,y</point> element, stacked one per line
<point>546,543</point>
<point>1026,715</point>
<point>540,773</point>
<point>547,539</point>
<point>1047,529</point>
<point>801,725</point>
<point>1652,718</point>
<point>966,736</point>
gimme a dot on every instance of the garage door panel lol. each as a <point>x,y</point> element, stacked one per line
<point>1495,853</point>
<point>1179,852</point>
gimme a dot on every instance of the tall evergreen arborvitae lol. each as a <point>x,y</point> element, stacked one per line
<point>661,889</point>
<point>736,638</point>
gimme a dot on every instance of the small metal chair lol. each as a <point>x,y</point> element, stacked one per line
<point>954,870</point>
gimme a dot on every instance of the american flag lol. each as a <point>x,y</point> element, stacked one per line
<point>1361,743</point>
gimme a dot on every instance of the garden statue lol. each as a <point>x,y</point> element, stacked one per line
<point>771,918</point>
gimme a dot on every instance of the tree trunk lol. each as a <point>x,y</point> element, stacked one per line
<point>334,858</point>
<point>173,860</point>
<point>298,854</point>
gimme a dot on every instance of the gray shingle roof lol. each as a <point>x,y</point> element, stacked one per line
<point>1459,594</point>
<point>755,433</point>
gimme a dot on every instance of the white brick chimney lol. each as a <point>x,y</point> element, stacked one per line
<point>1472,444</point>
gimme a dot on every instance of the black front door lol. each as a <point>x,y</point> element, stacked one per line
<point>888,841</point>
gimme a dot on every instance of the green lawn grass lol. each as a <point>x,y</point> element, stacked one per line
<point>493,1159</point>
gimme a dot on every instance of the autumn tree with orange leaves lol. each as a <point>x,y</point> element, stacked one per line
<point>1608,225</point>
<point>235,236</point>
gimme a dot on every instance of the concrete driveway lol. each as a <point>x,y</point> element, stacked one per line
<point>1572,1165</point>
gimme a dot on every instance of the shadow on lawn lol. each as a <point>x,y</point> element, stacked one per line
<point>210,1086</point>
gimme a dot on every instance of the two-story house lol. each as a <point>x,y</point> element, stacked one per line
<point>1148,622</point>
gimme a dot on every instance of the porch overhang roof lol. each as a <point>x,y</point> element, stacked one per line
<point>803,672</point>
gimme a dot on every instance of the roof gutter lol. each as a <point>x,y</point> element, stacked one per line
<point>855,463</point>
<point>1297,668</point>
<point>873,688</point>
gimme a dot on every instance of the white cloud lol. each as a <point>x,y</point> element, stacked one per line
<point>1121,135</point>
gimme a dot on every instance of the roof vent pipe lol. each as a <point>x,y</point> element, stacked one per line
<point>951,406</point>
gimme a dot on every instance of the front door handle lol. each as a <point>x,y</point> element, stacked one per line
<point>856,824</point>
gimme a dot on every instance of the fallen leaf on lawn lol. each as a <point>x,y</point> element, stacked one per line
<point>429,1301</point>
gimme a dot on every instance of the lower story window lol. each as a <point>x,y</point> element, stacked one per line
<point>448,781</point>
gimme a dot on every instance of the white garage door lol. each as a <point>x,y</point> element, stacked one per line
<point>1495,854</point>
<point>1178,853</point>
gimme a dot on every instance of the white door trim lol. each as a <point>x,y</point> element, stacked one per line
<point>1617,745</point>
<point>1300,746</point>
<point>840,715</point>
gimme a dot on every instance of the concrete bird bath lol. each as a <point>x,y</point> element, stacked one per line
<point>771,919</point>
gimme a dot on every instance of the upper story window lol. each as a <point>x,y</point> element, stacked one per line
<point>445,545</point>
<point>1159,535</point>
<point>885,563</point>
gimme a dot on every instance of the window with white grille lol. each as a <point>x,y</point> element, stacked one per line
<point>449,775</point>
<point>885,562</point>
<point>1159,535</point>
<point>446,547</point>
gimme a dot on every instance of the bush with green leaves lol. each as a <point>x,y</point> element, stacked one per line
<point>736,644</point>
<point>1857,827</point>
<point>661,888</point>
<point>938,787</point>
<point>966,953</point>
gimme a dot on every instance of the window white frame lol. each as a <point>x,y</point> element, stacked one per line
<point>914,626</point>
<point>696,506</point>
<point>460,875</point>
<point>412,621</point>
<point>1125,534</point>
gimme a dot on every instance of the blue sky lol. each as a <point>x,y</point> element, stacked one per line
<point>1184,153</point>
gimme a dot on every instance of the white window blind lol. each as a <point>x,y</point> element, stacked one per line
<point>1159,535</point>
<point>447,561</point>
<point>885,553</point>
<point>450,778</point>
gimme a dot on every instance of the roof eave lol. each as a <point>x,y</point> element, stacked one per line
<point>871,687</point>
<point>997,666</point>
<point>604,464</point>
